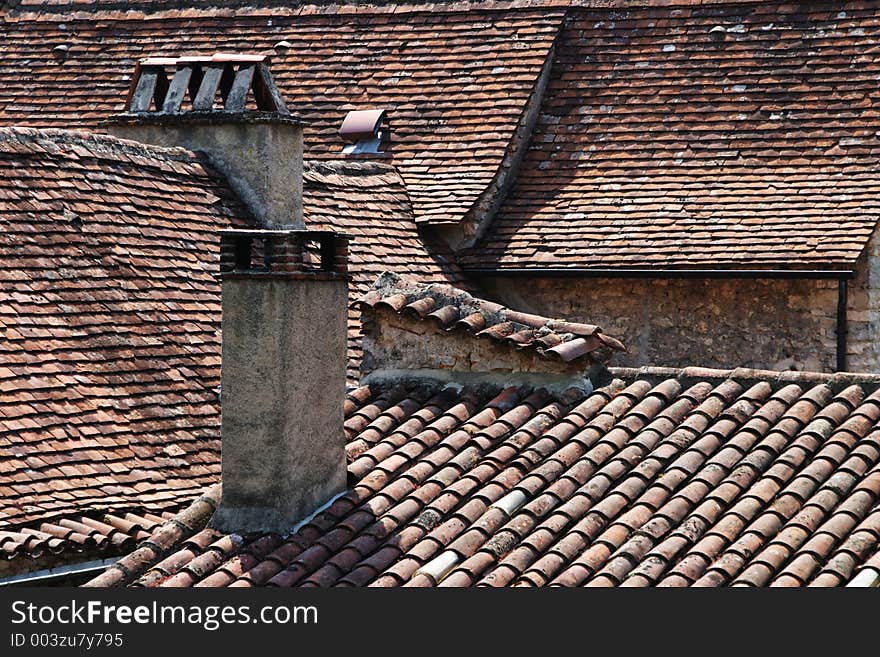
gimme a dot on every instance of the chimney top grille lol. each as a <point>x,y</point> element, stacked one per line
<point>287,253</point>
<point>160,85</point>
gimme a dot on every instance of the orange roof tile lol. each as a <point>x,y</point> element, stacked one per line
<point>661,478</point>
<point>111,314</point>
<point>454,83</point>
<point>661,146</point>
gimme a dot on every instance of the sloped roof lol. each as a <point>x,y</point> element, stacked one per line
<point>663,477</point>
<point>52,543</point>
<point>737,135</point>
<point>110,316</point>
<point>453,309</point>
<point>110,321</point>
<point>455,83</point>
<point>369,202</point>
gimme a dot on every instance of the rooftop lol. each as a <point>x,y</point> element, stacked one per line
<point>659,478</point>
<point>740,136</point>
<point>643,135</point>
<point>111,317</point>
<point>454,83</point>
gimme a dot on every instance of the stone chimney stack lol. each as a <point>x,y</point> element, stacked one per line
<point>228,107</point>
<point>284,289</point>
<point>283,376</point>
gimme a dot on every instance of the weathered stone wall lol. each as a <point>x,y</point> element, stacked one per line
<point>283,445</point>
<point>398,343</point>
<point>771,324</point>
<point>863,312</point>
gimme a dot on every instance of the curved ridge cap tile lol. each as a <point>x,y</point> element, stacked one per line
<point>497,331</point>
<point>608,341</point>
<point>171,533</point>
<point>473,322</point>
<point>522,338</point>
<point>396,302</point>
<point>533,321</point>
<point>419,308</point>
<point>370,299</point>
<point>489,307</point>
<point>549,340</point>
<point>572,349</point>
<point>575,328</point>
<point>446,316</point>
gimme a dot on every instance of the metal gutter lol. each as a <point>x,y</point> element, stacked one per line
<point>566,272</point>
<point>41,577</point>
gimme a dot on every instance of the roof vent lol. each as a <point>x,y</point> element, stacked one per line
<point>220,83</point>
<point>718,33</point>
<point>364,129</point>
<point>60,51</point>
<point>282,46</point>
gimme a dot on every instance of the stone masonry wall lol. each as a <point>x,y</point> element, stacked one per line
<point>392,342</point>
<point>863,312</point>
<point>770,324</point>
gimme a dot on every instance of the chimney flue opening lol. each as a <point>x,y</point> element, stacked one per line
<point>282,252</point>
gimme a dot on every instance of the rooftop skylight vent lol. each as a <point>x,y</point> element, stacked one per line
<point>365,130</point>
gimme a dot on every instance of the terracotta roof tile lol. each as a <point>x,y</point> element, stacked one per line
<point>111,315</point>
<point>658,146</point>
<point>630,485</point>
<point>110,324</point>
<point>454,83</point>
<point>369,202</point>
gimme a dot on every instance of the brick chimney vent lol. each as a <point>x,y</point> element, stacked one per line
<point>219,83</point>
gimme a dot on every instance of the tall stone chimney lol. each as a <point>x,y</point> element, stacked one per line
<point>284,289</point>
<point>282,378</point>
<point>228,107</point>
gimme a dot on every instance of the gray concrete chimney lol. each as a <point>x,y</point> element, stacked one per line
<point>228,107</point>
<point>282,377</point>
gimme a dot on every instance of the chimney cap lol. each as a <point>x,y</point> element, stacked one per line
<point>230,76</point>
<point>361,124</point>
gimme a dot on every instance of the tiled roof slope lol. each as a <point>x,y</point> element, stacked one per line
<point>659,145</point>
<point>453,309</point>
<point>455,83</point>
<point>369,202</point>
<point>661,478</point>
<point>109,317</point>
<point>81,537</point>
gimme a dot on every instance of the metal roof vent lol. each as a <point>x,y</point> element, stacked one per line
<point>364,129</point>
<point>60,51</point>
<point>221,83</point>
<point>718,33</point>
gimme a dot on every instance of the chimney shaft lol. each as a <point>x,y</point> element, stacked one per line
<point>259,151</point>
<point>283,374</point>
